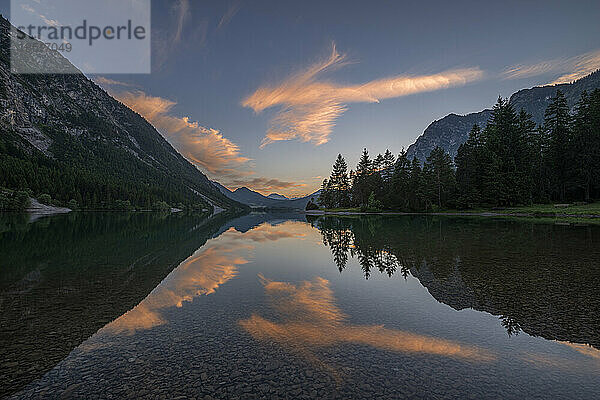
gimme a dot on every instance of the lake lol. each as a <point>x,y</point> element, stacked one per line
<point>282,305</point>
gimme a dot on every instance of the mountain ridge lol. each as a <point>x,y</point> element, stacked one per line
<point>64,135</point>
<point>252,198</point>
<point>452,130</point>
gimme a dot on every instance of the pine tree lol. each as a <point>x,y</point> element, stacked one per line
<point>387,167</point>
<point>439,177</point>
<point>326,197</point>
<point>505,181</point>
<point>415,186</point>
<point>362,182</point>
<point>339,182</point>
<point>557,124</point>
<point>469,169</point>
<point>400,183</point>
<point>586,144</point>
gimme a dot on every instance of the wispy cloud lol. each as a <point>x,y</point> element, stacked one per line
<point>205,147</point>
<point>47,21</point>
<point>229,14</point>
<point>103,81</point>
<point>177,33</point>
<point>266,185</point>
<point>202,274</point>
<point>568,69</point>
<point>309,107</point>
<point>182,10</point>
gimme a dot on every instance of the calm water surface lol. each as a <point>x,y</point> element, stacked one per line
<point>278,306</point>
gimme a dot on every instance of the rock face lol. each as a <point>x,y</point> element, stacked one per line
<point>71,122</point>
<point>448,133</point>
<point>453,130</point>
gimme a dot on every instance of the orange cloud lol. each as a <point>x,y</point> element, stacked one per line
<point>103,81</point>
<point>570,69</point>
<point>591,361</point>
<point>309,108</point>
<point>311,319</point>
<point>265,185</point>
<point>205,147</point>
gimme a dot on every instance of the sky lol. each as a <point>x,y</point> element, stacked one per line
<point>265,94</point>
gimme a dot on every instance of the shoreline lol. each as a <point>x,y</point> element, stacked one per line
<point>462,214</point>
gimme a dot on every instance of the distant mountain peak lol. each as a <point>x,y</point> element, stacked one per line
<point>251,198</point>
<point>452,130</point>
<point>277,196</point>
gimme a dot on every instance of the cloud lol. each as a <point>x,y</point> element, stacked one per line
<point>229,14</point>
<point>170,39</point>
<point>182,10</point>
<point>568,69</point>
<point>199,275</point>
<point>309,107</point>
<point>204,147</point>
<point>264,185</point>
<point>103,81</point>
<point>584,349</point>
<point>271,233</point>
<point>47,21</point>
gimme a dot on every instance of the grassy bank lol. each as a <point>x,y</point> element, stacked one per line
<point>568,214</point>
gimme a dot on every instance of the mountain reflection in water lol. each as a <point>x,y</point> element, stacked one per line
<point>539,278</point>
<point>201,274</point>
<point>255,306</point>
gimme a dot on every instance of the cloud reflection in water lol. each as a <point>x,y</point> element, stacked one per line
<point>310,319</point>
<point>200,275</point>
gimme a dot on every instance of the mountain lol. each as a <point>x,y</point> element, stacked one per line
<point>65,136</point>
<point>453,130</point>
<point>277,196</point>
<point>254,199</point>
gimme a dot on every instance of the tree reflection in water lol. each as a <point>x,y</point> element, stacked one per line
<point>538,278</point>
<point>339,236</point>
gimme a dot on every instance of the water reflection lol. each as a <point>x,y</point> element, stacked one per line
<point>211,328</point>
<point>63,278</point>
<point>201,275</point>
<point>538,278</point>
<point>344,243</point>
<point>310,318</point>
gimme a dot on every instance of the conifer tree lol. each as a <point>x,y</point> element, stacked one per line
<point>439,177</point>
<point>557,124</point>
<point>415,186</point>
<point>362,181</point>
<point>339,183</point>
<point>387,167</point>
<point>400,181</point>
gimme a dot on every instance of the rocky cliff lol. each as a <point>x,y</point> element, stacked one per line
<point>453,130</point>
<point>65,135</point>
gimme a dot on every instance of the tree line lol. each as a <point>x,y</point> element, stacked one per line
<point>85,175</point>
<point>512,161</point>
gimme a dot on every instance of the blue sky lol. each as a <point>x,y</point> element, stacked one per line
<point>228,74</point>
